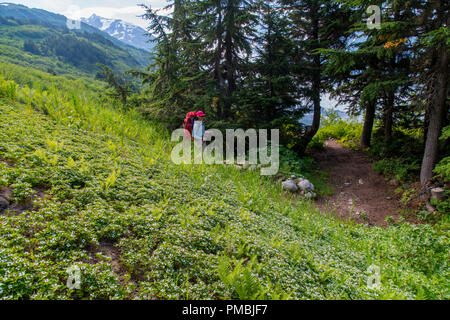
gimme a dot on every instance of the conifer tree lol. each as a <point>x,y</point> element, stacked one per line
<point>315,25</point>
<point>268,91</point>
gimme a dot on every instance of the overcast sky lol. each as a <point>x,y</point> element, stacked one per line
<point>127,10</point>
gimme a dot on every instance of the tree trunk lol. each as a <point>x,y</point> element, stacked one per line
<point>217,67</point>
<point>368,125</point>
<point>316,86</point>
<point>436,107</point>
<point>426,122</point>
<point>229,65</point>
<point>389,106</point>
<point>316,98</point>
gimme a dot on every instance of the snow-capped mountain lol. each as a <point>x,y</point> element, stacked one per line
<point>121,30</point>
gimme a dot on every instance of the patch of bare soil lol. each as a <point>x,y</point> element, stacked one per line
<point>109,250</point>
<point>113,253</point>
<point>9,163</point>
<point>360,193</point>
<point>8,204</point>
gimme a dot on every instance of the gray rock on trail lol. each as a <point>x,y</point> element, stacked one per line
<point>305,185</point>
<point>289,185</point>
<point>310,195</point>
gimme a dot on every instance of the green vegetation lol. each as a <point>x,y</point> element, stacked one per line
<point>396,73</point>
<point>57,50</point>
<point>87,177</point>
<point>259,65</point>
<point>333,127</point>
<point>443,167</point>
<point>400,159</point>
<point>45,81</point>
<point>398,169</point>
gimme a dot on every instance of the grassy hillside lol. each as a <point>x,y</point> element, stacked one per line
<point>39,39</point>
<point>94,187</point>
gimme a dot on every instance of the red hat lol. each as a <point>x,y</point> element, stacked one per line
<point>200,114</point>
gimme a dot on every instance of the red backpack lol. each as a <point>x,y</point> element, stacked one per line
<point>188,123</point>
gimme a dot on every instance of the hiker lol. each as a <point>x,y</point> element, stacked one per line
<point>188,124</point>
<point>198,130</point>
<point>198,133</point>
<point>194,129</point>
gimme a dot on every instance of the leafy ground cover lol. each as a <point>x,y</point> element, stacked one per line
<point>347,132</point>
<point>94,187</point>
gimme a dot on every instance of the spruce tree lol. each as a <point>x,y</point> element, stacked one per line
<point>316,24</point>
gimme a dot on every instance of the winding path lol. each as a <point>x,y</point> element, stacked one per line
<point>360,193</point>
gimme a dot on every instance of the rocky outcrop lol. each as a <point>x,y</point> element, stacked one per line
<point>289,185</point>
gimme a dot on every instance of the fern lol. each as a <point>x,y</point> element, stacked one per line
<point>111,180</point>
<point>240,278</point>
<point>70,162</point>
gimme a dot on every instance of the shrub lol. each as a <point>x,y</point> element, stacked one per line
<point>398,169</point>
<point>443,167</point>
<point>333,127</point>
<point>8,89</point>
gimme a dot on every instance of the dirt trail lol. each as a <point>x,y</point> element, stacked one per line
<point>358,189</point>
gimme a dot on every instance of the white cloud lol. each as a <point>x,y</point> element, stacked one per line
<point>129,14</point>
<point>112,9</point>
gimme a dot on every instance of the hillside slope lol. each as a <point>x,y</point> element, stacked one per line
<point>40,39</point>
<point>88,186</point>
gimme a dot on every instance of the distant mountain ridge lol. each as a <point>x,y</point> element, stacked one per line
<point>308,118</point>
<point>121,30</point>
<point>126,55</point>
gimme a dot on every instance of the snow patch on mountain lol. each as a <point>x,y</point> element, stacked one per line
<point>121,30</point>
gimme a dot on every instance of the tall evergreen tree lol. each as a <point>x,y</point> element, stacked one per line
<point>268,92</point>
<point>201,47</point>
<point>120,89</point>
<point>375,66</point>
<point>228,27</point>
<point>434,50</point>
<point>316,24</point>
<point>170,75</point>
